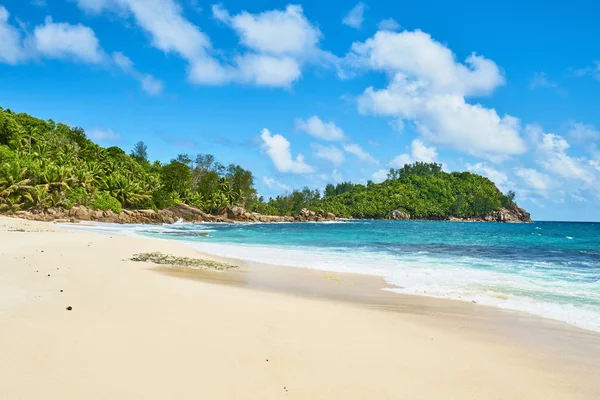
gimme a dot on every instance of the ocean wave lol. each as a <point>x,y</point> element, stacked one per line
<point>551,281</point>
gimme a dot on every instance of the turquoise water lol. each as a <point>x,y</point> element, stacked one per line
<point>551,269</point>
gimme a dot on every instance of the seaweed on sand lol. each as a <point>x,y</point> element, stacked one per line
<point>196,263</point>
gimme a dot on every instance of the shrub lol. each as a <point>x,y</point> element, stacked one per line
<point>104,201</point>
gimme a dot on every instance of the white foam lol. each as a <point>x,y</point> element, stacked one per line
<point>493,283</point>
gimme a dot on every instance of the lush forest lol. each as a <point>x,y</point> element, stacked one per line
<point>45,164</point>
<point>421,190</point>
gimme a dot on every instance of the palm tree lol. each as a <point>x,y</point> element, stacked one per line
<point>37,197</point>
<point>218,201</point>
<point>227,190</point>
<point>13,179</point>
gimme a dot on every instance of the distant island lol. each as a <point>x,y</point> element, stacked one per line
<point>51,171</point>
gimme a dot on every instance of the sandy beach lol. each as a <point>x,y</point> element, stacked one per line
<point>139,331</point>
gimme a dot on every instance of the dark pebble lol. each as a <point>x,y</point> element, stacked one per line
<point>69,308</point>
<point>61,290</point>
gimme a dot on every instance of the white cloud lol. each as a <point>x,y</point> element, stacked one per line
<point>66,41</point>
<point>388,24</point>
<point>273,184</point>
<point>314,126</point>
<point>355,17</point>
<point>11,47</point>
<point>57,40</point>
<point>50,40</point>
<point>267,70</point>
<point>278,148</point>
<point>534,179</point>
<point>169,31</point>
<point>583,132</point>
<point>331,153</point>
<point>380,176</point>
<point>418,152</point>
<point>416,55</point>
<point>275,32</point>
<point>361,154</point>
<point>279,43</point>
<point>552,151</point>
<point>481,168</point>
<point>400,160</point>
<point>150,84</point>
<point>104,135</point>
<point>429,87</point>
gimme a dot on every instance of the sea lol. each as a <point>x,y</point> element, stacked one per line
<point>549,269</point>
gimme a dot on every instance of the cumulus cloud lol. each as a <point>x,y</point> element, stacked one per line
<point>355,17</point>
<point>331,153</point>
<point>169,31</point>
<point>360,153</point>
<point>278,42</point>
<point>267,70</point>
<point>388,24</point>
<point>534,179</point>
<point>552,153</point>
<point>59,40</point>
<point>380,175</point>
<point>50,40</point>
<point>278,149</point>
<point>430,88</point>
<point>11,47</point>
<point>314,126</point>
<point>66,41</point>
<point>418,152</point>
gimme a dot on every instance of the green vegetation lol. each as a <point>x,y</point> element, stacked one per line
<point>44,164</point>
<point>421,190</point>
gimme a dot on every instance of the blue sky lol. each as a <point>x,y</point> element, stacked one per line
<point>312,92</point>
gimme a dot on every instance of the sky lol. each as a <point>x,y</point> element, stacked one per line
<point>308,93</point>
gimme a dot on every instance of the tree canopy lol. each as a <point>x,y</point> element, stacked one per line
<point>422,190</point>
<point>44,164</point>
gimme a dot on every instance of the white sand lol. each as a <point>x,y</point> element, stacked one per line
<point>134,333</point>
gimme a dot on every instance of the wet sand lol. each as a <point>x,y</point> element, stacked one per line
<point>137,330</point>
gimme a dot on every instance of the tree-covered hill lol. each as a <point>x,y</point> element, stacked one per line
<point>48,165</point>
<point>420,191</point>
<point>44,164</point>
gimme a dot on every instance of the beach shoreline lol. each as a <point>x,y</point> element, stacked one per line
<point>311,325</point>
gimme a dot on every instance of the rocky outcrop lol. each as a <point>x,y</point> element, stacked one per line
<point>168,215</point>
<point>305,215</point>
<point>512,213</point>
<point>399,215</point>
